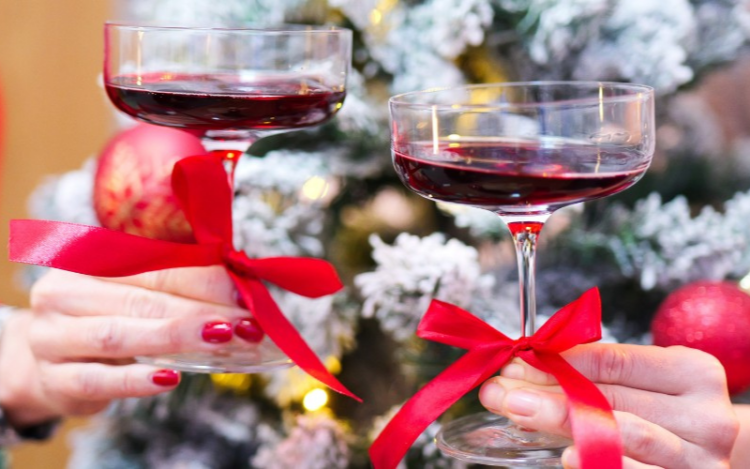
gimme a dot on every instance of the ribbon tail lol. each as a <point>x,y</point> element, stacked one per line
<point>98,251</point>
<point>284,335</point>
<point>592,421</point>
<point>304,276</point>
<point>200,184</point>
<point>466,373</point>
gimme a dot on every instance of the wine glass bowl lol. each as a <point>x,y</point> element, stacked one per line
<point>522,151</point>
<point>229,86</point>
<point>227,83</point>
<point>522,148</point>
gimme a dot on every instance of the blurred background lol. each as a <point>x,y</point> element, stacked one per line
<point>55,117</point>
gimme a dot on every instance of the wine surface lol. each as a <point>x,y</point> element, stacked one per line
<point>224,102</point>
<point>513,175</point>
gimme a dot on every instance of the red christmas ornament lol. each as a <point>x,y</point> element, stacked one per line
<point>713,317</point>
<point>132,187</point>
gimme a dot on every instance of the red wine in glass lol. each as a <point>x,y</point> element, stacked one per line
<point>203,102</point>
<point>506,173</point>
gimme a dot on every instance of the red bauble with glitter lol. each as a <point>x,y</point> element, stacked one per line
<point>132,187</point>
<point>713,317</point>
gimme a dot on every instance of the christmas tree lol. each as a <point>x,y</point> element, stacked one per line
<point>685,221</point>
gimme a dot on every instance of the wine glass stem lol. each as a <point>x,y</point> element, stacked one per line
<point>525,236</point>
<point>229,160</point>
<point>229,151</point>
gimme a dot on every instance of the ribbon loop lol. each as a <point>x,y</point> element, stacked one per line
<point>200,184</point>
<point>593,424</point>
<point>201,187</point>
<point>304,276</point>
<point>448,324</point>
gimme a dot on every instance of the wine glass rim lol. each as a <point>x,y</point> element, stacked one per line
<point>281,28</point>
<point>638,92</point>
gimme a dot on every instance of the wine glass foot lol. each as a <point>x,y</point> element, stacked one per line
<point>245,358</point>
<point>490,439</point>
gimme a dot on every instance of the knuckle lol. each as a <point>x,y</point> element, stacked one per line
<point>156,280</point>
<point>723,429</point>
<point>86,385</point>
<point>712,372</point>
<point>612,396</point>
<point>107,336</point>
<point>215,280</point>
<point>128,385</point>
<point>641,439</point>
<point>144,304</point>
<point>44,293</point>
<point>613,365</point>
<point>41,295</point>
<point>37,335</point>
<point>565,420</point>
<point>173,334</point>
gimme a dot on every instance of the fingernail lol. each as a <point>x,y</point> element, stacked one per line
<point>491,395</point>
<point>239,300</point>
<point>165,378</point>
<point>570,458</point>
<point>217,332</point>
<point>522,402</point>
<point>513,371</point>
<point>249,330</point>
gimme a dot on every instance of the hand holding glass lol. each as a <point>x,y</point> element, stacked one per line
<point>521,150</point>
<point>230,86</point>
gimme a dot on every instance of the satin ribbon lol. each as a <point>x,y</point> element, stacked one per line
<point>200,184</point>
<point>593,424</point>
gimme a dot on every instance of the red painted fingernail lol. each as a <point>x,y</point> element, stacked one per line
<point>249,330</point>
<point>217,332</point>
<point>165,378</point>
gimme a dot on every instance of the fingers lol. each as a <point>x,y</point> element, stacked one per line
<point>644,441</point>
<point>649,443</point>
<point>79,295</point>
<point>529,406</point>
<point>74,292</point>
<point>57,337</point>
<point>86,388</point>
<point>661,409</point>
<point>571,460</point>
<point>669,370</point>
<point>211,284</point>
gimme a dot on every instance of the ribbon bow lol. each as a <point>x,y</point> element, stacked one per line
<point>201,186</point>
<point>592,421</point>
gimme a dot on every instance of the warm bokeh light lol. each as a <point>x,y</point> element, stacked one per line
<point>315,188</point>
<point>745,283</point>
<point>315,399</point>
<point>236,382</point>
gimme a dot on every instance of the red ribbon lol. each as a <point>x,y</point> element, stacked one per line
<point>200,184</point>
<point>593,424</point>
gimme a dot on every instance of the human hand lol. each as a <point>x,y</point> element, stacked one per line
<point>72,353</point>
<point>671,404</point>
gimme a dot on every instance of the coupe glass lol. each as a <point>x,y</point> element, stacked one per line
<point>520,150</point>
<point>230,86</point>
